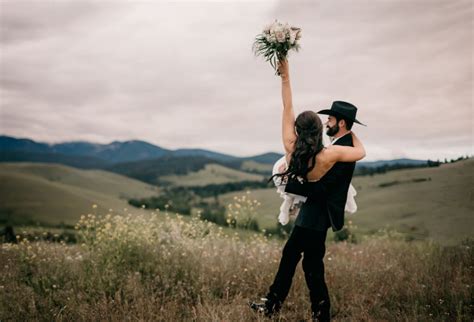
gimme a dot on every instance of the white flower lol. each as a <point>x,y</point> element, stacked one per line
<point>295,34</point>
<point>298,33</point>
<point>280,35</point>
<point>292,36</point>
<point>276,26</point>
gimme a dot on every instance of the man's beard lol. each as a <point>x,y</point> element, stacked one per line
<point>331,131</point>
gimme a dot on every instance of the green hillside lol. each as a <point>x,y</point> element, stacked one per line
<point>52,193</point>
<point>428,203</point>
<point>435,203</point>
<point>251,165</point>
<point>211,174</point>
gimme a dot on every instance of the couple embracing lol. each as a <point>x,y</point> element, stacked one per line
<point>322,175</point>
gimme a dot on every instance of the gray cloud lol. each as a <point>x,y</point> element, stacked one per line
<point>182,74</point>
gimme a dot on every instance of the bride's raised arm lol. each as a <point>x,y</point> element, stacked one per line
<point>288,124</point>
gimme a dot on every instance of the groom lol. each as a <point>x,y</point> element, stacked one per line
<point>324,208</point>
<point>341,118</point>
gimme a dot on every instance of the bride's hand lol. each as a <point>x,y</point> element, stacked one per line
<point>283,69</point>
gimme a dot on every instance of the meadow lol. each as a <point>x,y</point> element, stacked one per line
<point>139,267</point>
<point>211,174</point>
<point>409,256</point>
<point>52,194</point>
<point>424,204</point>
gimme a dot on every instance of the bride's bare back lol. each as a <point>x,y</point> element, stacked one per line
<point>323,165</point>
<point>324,162</point>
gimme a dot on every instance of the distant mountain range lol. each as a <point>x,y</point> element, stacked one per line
<point>381,163</point>
<point>140,159</point>
<point>115,152</point>
<point>137,159</point>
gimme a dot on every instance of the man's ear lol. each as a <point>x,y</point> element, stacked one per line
<point>342,123</point>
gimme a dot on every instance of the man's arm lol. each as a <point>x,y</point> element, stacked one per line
<point>341,151</point>
<point>311,190</point>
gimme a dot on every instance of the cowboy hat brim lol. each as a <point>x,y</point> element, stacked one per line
<point>335,113</point>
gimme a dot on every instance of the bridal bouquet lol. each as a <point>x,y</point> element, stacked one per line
<point>275,41</point>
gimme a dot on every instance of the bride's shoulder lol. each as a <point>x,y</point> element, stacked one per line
<point>328,154</point>
<point>325,151</point>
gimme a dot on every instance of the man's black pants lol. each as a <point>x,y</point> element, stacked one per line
<point>312,244</point>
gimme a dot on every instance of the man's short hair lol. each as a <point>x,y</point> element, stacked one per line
<point>348,122</point>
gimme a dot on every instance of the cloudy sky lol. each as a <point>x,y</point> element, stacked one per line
<point>182,74</point>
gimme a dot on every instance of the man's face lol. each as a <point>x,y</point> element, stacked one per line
<point>331,126</point>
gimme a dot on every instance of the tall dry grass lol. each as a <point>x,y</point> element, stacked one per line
<point>142,268</point>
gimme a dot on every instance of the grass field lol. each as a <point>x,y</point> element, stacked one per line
<point>151,265</point>
<point>36,197</point>
<point>139,268</point>
<point>253,165</point>
<point>428,203</point>
<point>211,174</point>
<point>434,203</point>
<point>54,193</point>
<point>267,212</point>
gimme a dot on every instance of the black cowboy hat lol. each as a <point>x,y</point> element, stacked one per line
<point>342,110</point>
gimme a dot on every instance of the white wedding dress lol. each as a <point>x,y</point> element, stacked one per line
<point>290,201</point>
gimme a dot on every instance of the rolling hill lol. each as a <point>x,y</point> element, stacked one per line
<point>136,159</point>
<point>152,170</point>
<point>426,203</point>
<point>434,203</point>
<point>147,162</point>
<point>77,161</point>
<point>54,193</point>
<point>210,174</point>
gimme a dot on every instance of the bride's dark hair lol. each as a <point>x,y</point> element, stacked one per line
<point>309,142</point>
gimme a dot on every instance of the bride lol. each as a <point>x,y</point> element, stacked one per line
<point>323,175</point>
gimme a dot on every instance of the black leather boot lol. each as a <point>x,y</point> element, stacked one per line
<point>321,313</point>
<point>267,306</point>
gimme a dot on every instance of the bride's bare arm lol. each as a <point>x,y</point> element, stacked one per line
<point>288,124</point>
<point>348,153</point>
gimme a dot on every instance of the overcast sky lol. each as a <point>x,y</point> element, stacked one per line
<point>182,74</point>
